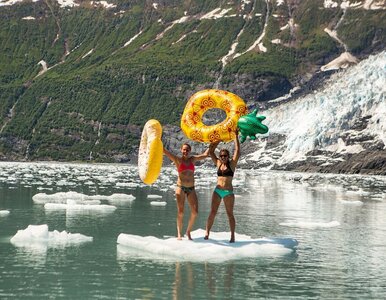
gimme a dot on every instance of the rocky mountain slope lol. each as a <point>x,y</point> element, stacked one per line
<point>78,79</point>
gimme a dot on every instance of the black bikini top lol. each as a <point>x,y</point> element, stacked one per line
<point>225,173</point>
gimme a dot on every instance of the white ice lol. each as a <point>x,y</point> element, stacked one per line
<point>62,197</point>
<point>355,203</point>
<point>216,249</point>
<point>319,118</point>
<point>154,196</point>
<point>39,234</point>
<point>158,203</point>
<point>310,224</point>
<point>4,213</point>
<point>72,205</point>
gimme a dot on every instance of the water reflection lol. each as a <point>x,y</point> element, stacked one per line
<point>183,286</point>
<point>219,280</point>
<point>346,261</point>
<point>31,254</point>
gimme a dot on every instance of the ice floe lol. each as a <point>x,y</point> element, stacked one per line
<point>154,196</point>
<point>72,205</point>
<point>39,235</point>
<point>310,224</point>
<point>79,198</point>
<point>4,213</point>
<point>158,203</point>
<point>216,249</point>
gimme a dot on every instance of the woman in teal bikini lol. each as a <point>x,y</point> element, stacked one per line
<point>185,185</point>
<point>224,189</point>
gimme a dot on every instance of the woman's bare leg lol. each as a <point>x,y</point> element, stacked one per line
<point>180,197</point>
<point>229,202</point>
<point>193,204</point>
<point>216,200</point>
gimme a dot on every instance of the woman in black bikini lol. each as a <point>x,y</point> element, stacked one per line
<point>224,189</point>
<point>185,185</point>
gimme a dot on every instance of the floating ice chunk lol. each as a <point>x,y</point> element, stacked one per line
<point>305,224</point>
<point>33,232</point>
<point>39,234</point>
<point>44,188</point>
<point>378,197</point>
<point>120,198</point>
<point>73,205</point>
<point>4,213</point>
<point>357,203</point>
<point>158,203</point>
<point>359,192</point>
<point>126,184</point>
<point>154,196</point>
<point>217,249</point>
<point>62,197</point>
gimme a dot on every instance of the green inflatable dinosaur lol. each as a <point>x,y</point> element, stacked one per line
<point>250,125</point>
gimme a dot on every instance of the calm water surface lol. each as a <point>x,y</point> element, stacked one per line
<point>339,222</point>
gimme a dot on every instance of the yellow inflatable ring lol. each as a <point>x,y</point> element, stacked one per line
<point>150,153</point>
<point>199,103</point>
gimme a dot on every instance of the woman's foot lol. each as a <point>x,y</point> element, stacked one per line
<point>189,236</point>
<point>232,241</point>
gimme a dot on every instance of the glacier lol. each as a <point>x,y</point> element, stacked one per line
<point>346,116</point>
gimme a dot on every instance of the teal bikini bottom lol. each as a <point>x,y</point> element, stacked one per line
<point>223,193</point>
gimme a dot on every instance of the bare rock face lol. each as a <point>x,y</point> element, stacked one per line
<point>366,162</point>
<point>261,88</point>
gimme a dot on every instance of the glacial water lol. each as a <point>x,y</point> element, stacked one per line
<point>338,220</point>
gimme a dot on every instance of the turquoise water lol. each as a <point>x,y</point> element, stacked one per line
<point>339,222</point>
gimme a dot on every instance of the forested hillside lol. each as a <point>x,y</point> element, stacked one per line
<point>79,79</point>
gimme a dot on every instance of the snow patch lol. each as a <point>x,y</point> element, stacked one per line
<point>344,61</point>
<point>215,14</point>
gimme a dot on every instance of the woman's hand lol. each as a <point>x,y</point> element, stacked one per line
<point>214,145</point>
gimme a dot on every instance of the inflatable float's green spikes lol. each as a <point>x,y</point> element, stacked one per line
<point>250,125</point>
